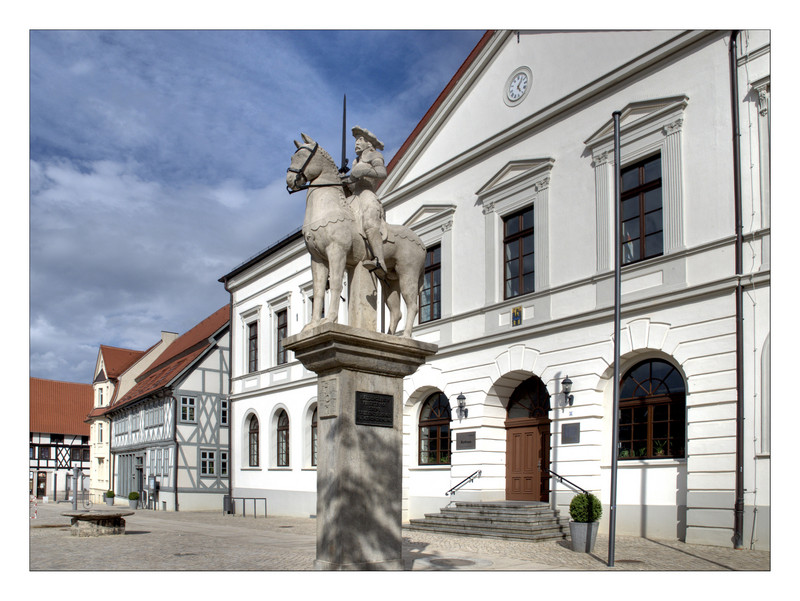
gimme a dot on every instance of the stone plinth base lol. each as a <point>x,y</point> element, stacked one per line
<point>95,523</point>
<point>359,432</point>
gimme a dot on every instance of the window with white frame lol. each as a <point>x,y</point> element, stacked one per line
<point>208,463</point>
<point>647,129</point>
<point>279,309</point>
<point>223,412</point>
<point>165,463</point>
<point>433,223</point>
<point>223,463</point>
<point>252,347</point>
<point>282,439</point>
<point>516,208</point>
<point>253,441</point>
<point>188,409</point>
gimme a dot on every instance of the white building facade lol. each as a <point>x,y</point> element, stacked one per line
<point>509,181</point>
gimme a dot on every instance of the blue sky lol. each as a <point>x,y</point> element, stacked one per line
<point>158,161</point>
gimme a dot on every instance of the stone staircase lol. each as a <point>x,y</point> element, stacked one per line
<point>514,520</point>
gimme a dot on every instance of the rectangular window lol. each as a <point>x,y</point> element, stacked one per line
<point>223,463</point>
<point>641,211</point>
<point>99,432</point>
<point>135,422</point>
<point>165,464</point>
<point>282,330</point>
<point>430,297</point>
<point>223,413</point>
<point>518,256</point>
<point>187,409</point>
<point>159,467</point>
<point>207,463</point>
<point>44,452</point>
<point>252,347</point>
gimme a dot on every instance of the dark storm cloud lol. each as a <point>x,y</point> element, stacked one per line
<point>157,162</point>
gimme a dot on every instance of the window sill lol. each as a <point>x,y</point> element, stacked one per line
<point>665,462</point>
<point>427,468</point>
<point>251,468</point>
<point>280,469</point>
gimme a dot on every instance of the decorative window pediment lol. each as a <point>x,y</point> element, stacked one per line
<point>639,118</point>
<point>515,175</point>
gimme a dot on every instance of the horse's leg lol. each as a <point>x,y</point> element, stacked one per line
<point>336,265</point>
<point>319,277</point>
<point>410,283</point>
<point>391,292</point>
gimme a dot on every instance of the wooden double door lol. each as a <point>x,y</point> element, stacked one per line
<point>527,459</point>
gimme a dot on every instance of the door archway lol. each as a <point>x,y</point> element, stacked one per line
<point>528,442</point>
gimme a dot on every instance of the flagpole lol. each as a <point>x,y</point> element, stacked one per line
<point>612,523</point>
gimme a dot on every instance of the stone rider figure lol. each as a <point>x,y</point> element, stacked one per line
<point>366,175</point>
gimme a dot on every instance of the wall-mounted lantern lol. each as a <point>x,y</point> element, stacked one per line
<point>462,406</point>
<point>566,386</point>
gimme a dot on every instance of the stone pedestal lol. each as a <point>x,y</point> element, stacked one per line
<point>359,433</point>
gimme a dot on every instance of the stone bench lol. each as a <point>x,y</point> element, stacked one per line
<point>97,523</point>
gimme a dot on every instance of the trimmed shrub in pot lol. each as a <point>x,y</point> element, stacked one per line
<point>109,495</point>
<point>585,511</point>
<point>133,499</point>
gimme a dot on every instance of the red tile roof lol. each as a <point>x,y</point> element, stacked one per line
<point>117,360</point>
<point>59,407</point>
<point>178,355</point>
<point>448,88</point>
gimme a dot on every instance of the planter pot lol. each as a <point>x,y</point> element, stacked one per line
<point>583,533</point>
<point>133,503</point>
<point>109,500</point>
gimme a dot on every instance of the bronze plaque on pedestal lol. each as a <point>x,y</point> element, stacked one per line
<point>374,409</point>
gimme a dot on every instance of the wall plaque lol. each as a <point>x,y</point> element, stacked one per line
<point>374,409</point>
<point>570,433</point>
<point>516,316</point>
<point>465,441</point>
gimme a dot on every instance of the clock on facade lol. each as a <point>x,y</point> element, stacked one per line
<point>517,85</point>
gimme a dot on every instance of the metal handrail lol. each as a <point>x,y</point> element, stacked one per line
<point>562,479</point>
<point>464,482</point>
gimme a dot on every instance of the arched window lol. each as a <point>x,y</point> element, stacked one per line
<point>434,430</point>
<point>252,441</point>
<point>314,438</point>
<point>529,400</point>
<point>652,412</point>
<point>283,439</point>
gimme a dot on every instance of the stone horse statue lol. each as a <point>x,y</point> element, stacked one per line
<point>335,240</point>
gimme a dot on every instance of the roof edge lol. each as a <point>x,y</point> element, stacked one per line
<point>440,99</point>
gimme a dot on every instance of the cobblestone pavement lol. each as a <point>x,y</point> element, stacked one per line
<point>168,541</point>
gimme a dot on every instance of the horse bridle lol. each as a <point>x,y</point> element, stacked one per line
<point>301,171</point>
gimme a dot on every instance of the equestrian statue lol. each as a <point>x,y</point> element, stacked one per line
<point>345,231</point>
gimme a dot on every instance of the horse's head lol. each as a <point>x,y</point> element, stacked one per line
<point>305,166</point>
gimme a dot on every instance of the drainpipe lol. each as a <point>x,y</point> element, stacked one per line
<point>738,510</point>
<point>230,393</point>
<point>175,442</point>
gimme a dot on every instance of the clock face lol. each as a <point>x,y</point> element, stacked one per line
<point>517,87</point>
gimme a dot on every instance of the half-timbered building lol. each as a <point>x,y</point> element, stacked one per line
<point>59,438</point>
<point>114,374</point>
<point>169,436</point>
<point>509,180</point>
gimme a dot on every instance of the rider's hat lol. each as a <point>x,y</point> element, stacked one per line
<point>360,132</point>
